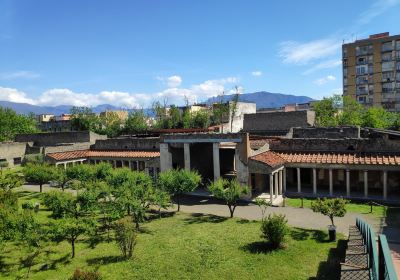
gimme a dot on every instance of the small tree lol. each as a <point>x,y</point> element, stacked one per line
<point>125,236</point>
<point>161,199</point>
<point>39,173</point>
<point>263,204</point>
<point>10,181</point>
<point>178,182</point>
<point>334,207</point>
<point>228,190</point>
<point>71,228</point>
<point>60,203</point>
<point>274,229</point>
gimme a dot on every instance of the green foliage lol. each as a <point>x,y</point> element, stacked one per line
<point>263,204</point>
<point>34,159</point>
<point>200,119</point>
<point>28,205</point>
<point>70,229</point>
<point>379,118</point>
<point>10,180</point>
<point>274,229</point>
<point>177,182</point>
<point>60,203</point>
<point>39,173</point>
<point>83,118</point>
<point>85,275</point>
<point>161,199</point>
<point>82,172</point>
<point>12,124</point>
<point>228,190</point>
<point>136,123</point>
<point>326,111</point>
<point>125,236</point>
<point>334,207</point>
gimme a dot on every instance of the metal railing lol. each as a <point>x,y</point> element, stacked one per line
<point>386,269</point>
<point>380,261</point>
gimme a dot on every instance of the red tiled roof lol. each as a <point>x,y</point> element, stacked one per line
<point>340,158</point>
<point>106,154</point>
<point>270,158</point>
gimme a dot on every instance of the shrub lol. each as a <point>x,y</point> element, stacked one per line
<point>33,158</point>
<point>274,228</point>
<point>28,205</point>
<point>85,275</point>
<point>125,236</point>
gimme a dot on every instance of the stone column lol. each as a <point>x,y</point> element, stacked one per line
<point>284,179</point>
<point>137,166</point>
<point>271,187</point>
<point>65,165</point>
<point>216,161</point>
<point>314,173</point>
<point>165,157</point>
<point>330,183</point>
<point>186,152</point>
<point>276,181</point>
<point>348,182</point>
<point>365,183</point>
<point>298,180</point>
<point>130,165</point>
<point>280,181</point>
<point>384,184</point>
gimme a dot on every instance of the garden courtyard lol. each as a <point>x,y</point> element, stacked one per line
<point>189,245</point>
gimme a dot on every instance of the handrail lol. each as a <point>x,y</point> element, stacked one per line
<point>386,268</point>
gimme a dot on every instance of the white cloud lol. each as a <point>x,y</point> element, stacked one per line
<point>324,65</point>
<point>256,73</point>
<point>172,81</point>
<point>174,95</point>
<point>19,75</point>
<point>376,9</point>
<point>303,53</point>
<point>324,80</point>
<point>13,95</point>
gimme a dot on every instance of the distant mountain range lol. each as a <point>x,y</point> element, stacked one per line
<point>263,99</point>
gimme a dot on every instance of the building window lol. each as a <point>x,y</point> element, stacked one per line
<point>387,76</point>
<point>361,69</point>
<point>388,46</point>
<point>387,87</point>
<point>345,72</point>
<point>361,80</point>
<point>17,160</point>
<point>387,57</point>
<point>398,66</point>
<point>345,81</point>
<point>388,66</point>
<point>344,52</point>
<point>398,45</point>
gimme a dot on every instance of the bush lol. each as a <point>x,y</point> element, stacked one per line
<point>60,203</point>
<point>125,236</point>
<point>28,205</point>
<point>274,228</point>
<point>33,158</point>
<point>85,275</point>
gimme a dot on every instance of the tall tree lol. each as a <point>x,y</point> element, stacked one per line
<point>136,123</point>
<point>39,173</point>
<point>83,118</point>
<point>12,124</point>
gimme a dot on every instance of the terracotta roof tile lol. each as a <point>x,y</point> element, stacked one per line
<point>107,154</point>
<point>340,158</point>
<point>270,158</point>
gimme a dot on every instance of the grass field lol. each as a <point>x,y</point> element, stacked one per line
<point>184,246</point>
<point>361,208</point>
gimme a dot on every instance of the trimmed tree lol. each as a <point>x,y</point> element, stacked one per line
<point>334,207</point>
<point>228,190</point>
<point>39,173</point>
<point>178,182</point>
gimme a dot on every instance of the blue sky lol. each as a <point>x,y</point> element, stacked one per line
<point>130,53</point>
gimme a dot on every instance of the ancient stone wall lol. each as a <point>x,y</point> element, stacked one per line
<point>128,143</point>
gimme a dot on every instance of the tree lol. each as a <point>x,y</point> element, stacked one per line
<point>70,229</point>
<point>39,173</point>
<point>161,199</point>
<point>263,204</point>
<point>9,180</point>
<point>220,111</point>
<point>61,177</point>
<point>177,182</point>
<point>82,172</point>
<point>326,111</point>
<point>352,112</point>
<point>335,207</point>
<point>228,190</point>
<point>200,119</point>
<point>83,118</point>
<point>136,123</point>
<point>110,124</point>
<point>12,124</point>
<point>379,118</point>
<point>60,203</point>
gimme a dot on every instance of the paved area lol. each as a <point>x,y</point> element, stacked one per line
<point>297,217</point>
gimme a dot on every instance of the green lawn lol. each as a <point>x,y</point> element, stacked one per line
<point>361,208</point>
<point>184,246</point>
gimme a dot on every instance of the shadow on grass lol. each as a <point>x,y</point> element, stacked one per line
<point>330,269</point>
<point>154,215</point>
<point>29,195</point>
<point>300,234</point>
<point>105,260</point>
<point>259,247</point>
<point>66,259</point>
<point>198,218</point>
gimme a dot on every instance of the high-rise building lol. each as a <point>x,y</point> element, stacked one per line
<point>371,71</point>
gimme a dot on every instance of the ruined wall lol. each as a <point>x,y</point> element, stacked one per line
<point>277,121</point>
<point>326,132</point>
<point>128,143</point>
<point>66,148</point>
<point>56,138</point>
<point>12,150</point>
<point>242,108</point>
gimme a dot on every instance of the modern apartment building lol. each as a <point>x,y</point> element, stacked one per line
<point>371,71</point>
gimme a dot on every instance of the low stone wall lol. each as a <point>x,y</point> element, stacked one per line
<point>128,143</point>
<point>326,132</point>
<point>56,138</point>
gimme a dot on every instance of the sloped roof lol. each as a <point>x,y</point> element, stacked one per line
<point>107,154</point>
<point>270,158</point>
